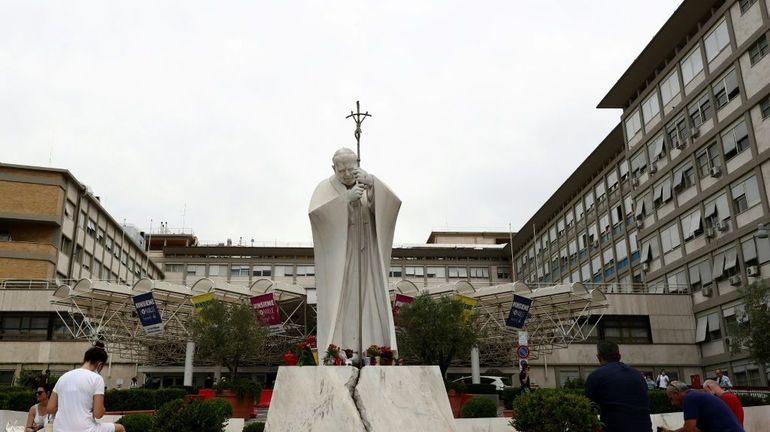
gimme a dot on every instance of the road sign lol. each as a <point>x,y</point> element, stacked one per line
<point>522,352</point>
<point>523,337</point>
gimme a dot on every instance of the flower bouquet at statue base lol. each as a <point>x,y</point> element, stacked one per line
<point>303,354</point>
<point>333,356</point>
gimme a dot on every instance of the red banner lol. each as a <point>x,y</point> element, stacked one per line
<point>399,301</point>
<point>266,311</point>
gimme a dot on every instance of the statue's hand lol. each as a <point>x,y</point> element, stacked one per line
<point>355,193</point>
<point>363,177</point>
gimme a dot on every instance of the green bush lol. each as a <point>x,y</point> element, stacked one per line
<point>553,410</point>
<point>140,399</point>
<point>478,407</point>
<point>254,427</point>
<point>480,388</point>
<point>196,415</point>
<point>659,403</point>
<point>576,383</point>
<point>750,400</point>
<point>20,400</point>
<point>136,422</point>
<point>243,388</point>
<point>4,389</point>
<point>508,395</point>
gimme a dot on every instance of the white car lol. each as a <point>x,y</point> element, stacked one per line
<point>498,381</point>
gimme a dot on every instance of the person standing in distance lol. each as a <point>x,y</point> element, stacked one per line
<point>620,391</point>
<point>77,399</point>
<point>663,380</point>
<point>723,380</point>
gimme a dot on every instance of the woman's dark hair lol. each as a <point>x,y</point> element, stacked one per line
<point>95,354</point>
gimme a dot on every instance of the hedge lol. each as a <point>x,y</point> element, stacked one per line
<point>480,389</point>
<point>479,407</point>
<point>254,427</point>
<point>195,415</point>
<point>136,422</point>
<point>17,400</point>
<point>140,399</point>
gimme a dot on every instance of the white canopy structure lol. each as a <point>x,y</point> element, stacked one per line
<point>99,310</point>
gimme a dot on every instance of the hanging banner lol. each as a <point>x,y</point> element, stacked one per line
<point>148,313</point>
<point>267,312</point>
<point>399,301</point>
<point>470,303</point>
<point>519,312</point>
<point>200,300</point>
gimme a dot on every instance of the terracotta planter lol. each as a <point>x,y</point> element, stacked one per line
<point>507,413</point>
<point>241,408</point>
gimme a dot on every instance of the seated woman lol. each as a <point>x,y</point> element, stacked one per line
<point>38,414</point>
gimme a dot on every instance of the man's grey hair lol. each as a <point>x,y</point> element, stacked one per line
<point>678,386</point>
<point>344,152</point>
<point>710,382</point>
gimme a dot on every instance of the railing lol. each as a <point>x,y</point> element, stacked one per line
<point>27,284</point>
<point>633,288</point>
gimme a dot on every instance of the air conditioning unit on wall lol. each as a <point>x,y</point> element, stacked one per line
<point>707,291</point>
<point>634,182</point>
<point>645,267</point>
<point>735,280</point>
<point>753,271</point>
<point>653,168</point>
<point>723,225</point>
<point>716,171</point>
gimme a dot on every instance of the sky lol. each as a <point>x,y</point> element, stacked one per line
<point>222,117</point>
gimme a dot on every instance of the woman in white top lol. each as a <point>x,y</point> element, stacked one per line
<point>77,399</point>
<point>38,414</point>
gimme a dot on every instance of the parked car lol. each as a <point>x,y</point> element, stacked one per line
<point>499,382</point>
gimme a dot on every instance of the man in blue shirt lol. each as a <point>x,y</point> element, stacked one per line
<point>702,411</point>
<point>620,391</point>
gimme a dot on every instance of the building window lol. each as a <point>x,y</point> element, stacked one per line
<point>708,328</point>
<point>708,159</point>
<point>764,107</point>
<point>639,163</point>
<point>692,225</point>
<point>669,88</point>
<point>24,326</point>
<point>692,65</point>
<point>758,50</point>
<point>677,282</point>
<point>69,209</point>
<point>684,177</point>
<point>479,272</point>
<point>735,141</point>
<point>662,193</point>
<point>756,251</point>
<point>284,270</point>
<point>91,227</point>
<point>435,272</point>
<point>717,40</point>
<point>669,238</point>
<point>100,236</point>
<point>305,270</point>
<point>633,124</point>
<point>717,210</point>
<point>460,272</point>
<point>262,271</point>
<point>745,195</point>
<point>700,111</point>
<point>725,264</point>
<point>108,244</point>
<point>726,89</point>
<point>657,147</point>
<point>624,170</point>
<point>414,271</point>
<point>622,254</point>
<point>701,275</point>
<point>589,200</point>
<point>650,107</point>
<point>237,271</point>
<point>746,5</point>
<point>66,245</point>
<point>650,249</point>
<point>503,272</point>
<point>627,329</point>
<point>174,268</point>
<point>395,272</point>
<point>218,270</point>
<point>87,261</point>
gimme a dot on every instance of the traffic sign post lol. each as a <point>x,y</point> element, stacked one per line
<point>522,352</point>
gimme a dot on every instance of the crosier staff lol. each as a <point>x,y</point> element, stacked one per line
<point>359,118</point>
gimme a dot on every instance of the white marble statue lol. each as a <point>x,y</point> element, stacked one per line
<point>338,205</point>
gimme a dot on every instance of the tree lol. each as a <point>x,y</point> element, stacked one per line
<point>752,331</point>
<point>228,334</point>
<point>434,331</point>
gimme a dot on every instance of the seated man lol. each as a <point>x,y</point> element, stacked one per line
<point>730,399</point>
<point>702,411</point>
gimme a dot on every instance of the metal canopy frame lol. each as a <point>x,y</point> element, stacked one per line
<point>100,310</point>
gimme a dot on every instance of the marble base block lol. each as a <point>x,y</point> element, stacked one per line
<point>376,398</point>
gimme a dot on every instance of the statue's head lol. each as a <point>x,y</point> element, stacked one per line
<point>344,161</point>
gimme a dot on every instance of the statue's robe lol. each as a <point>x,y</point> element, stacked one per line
<point>335,223</point>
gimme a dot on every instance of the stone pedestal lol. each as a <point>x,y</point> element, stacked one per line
<point>342,398</point>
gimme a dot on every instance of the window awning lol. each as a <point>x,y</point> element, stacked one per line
<point>749,250</point>
<point>731,258</point>
<point>719,265</point>
<point>700,329</point>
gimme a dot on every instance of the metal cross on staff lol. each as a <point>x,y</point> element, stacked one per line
<point>359,118</point>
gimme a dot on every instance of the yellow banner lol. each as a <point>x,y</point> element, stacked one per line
<point>470,303</point>
<point>200,300</point>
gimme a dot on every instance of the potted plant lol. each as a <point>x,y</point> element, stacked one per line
<point>373,352</point>
<point>241,395</point>
<point>332,357</point>
<point>302,353</point>
<point>386,356</point>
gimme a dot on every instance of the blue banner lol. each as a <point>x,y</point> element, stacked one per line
<point>148,313</point>
<point>519,312</point>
